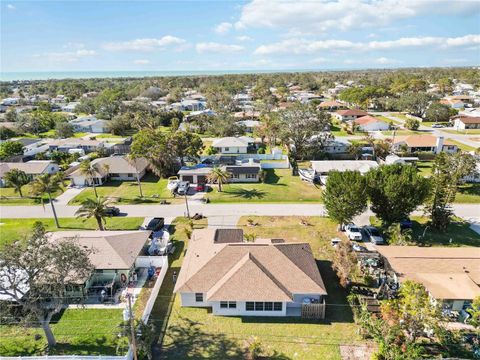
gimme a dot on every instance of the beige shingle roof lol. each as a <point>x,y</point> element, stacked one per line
<point>34,167</point>
<point>112,250</point>
<point>420,141</point>
<point>447,273</point>
<point>115,165</point>
<point>248,271</point>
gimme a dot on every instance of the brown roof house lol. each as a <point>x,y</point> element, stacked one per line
<point>450,275</point>
<point>466,122</point>
<point>235,278</point>
<point>424,143</point>
<point>349,114</point>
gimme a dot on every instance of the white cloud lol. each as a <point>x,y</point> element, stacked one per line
<point>141,62</point>
<point>319,60</point>
<point>213,47</point>
<point>325,15</point>
<point>11,7</point>
<point>385,61</point>
<point>302,46</point>
<point>66,56</point>
<point>148,44</point>
<point>223,28</point>
<point>74,45</point>
<point>244,38</point>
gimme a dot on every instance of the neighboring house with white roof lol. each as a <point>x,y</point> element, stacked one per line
<point>114,168</point>
<point>323,167</point>
<point>189,105</point>
<point>31,147</point>
<point>233,145</point>
<point>70,107</point>
<point>87,145</point>
<point>336,146</point>
<point>241,172</point>
<point>250,125</point>
<point>268,277</point>
<point>90,124</point>
<point>371,123</point>
<point>424,143</point>
<point>32,168</point>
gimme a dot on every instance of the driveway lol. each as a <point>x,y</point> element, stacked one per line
<point>68,195</point>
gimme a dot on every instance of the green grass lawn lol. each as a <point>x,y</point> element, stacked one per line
<point>466,132</point>
<point>388,120</point>
<point>425,168</point>
<point>458,232</point>
<point>77,331</point>
<point>195,333</point>
<point>402,132</point>
<point>9,197</point>
<point>127,192</point>
<point>109,136</point>
<point>399,115</point>
<point>461,145</point>
<point>14,229</point>
<point>280,186</point>
<point>468,193</point>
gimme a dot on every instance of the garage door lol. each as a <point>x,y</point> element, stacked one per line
<point>201,179</point>
<point>187,178</point>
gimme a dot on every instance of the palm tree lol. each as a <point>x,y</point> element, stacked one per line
<point>47,184</point>
<point>96,208</point>
<point>219,176</point>
<point>133,161</point>
<point>355,149</point>
<point>16,178</point>
<point>90,173</point>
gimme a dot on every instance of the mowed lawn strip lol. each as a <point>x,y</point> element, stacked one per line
<point>8,196</point>
<point>279,186</point>
<point>127,192</point>
<point>468,194</point>
<point>195,333</point>
<point>17,229</point>
<point>77,331</point>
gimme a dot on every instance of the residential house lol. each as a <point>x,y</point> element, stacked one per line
<point>267,277</point>
<point>113,168</point>
<point>337,146</point>
<point>371,123</point>
<point>247,114</point>
<point>453,103</point>
<point>423,143</point>
<point>331,105</point>
<point>66,145</point>
<point>323,167</point>
<point>90,124</point>
<point>10,101</point>
<point>189,105</point>
<point>233,145</point>
<point>474,177</point>
<point>241,171</point>
<point>349,114</point>
<point>32,168</point>
<point>466,122</point>
<point>250,125</point>
<point>70,107</point>
<point>31,146</point>
<point>450,275</point>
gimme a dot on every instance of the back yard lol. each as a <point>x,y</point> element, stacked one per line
<point>279,186</point>
<point>127,192</point>
<point>194,333</point>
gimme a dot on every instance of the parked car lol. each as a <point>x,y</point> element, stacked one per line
<point>436,126</point>
<point>406,224</point>
<point>155,224</point>
<point>353,232</point>
<point>112,211</point>
<point>182,188</point>
<point>200,187</point>
<point>374,235</point>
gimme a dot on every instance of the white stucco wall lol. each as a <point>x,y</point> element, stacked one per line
<point>240,310</point>
<point>233,150</point>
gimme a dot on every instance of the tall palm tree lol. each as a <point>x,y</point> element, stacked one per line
<point>218,176</point>
<point>47,184</point>
<point>90,172</point>
<point>96,208</point>
<point>17,178</point>
<point>133,162</point>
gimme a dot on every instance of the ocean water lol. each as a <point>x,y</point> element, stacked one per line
<point>13,76</point>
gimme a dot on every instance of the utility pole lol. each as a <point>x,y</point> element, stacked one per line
<point>186,204</point>
<point>132,327</point>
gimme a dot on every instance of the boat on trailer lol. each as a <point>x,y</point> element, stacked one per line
<point>309,175</point>
<point>172,183</point>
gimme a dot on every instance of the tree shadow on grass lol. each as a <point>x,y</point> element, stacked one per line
<point>470,189</point>
<point>246,194</point>
<point>187,340</point>
<point>458,234</point>
<point>271,177</point>
<point>95,346</point>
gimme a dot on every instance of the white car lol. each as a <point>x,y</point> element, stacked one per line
<point>353,232</point>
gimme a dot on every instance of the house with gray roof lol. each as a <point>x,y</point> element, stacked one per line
<point>233,145</point>
<point>32,168</point>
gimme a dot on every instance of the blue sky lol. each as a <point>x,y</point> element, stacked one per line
<point>231,35</point>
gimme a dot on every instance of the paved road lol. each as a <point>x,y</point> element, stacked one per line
<point>469,212</point>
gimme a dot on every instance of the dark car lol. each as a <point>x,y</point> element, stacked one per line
<point>156,224</point>
<point>406,224</point>
<point>112,211</point>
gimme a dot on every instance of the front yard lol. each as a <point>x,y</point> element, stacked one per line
<point>279,186</point>
<point>127,192</point>
<point>77,331</point>
<point>16,229</point>
<point>9,197</point>
<point>196,334</point>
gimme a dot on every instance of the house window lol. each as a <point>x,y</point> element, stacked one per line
<point>249,306</point>
<point>232,304</point>
<point>277,306</point>
<point>259,306</point>
<point>235,176</point>
<point>251,176</point>
<point>198,297</point>
<point>223,304</point>
<point>268,306</point>
<point>226,149</point>
<point>130,175</point>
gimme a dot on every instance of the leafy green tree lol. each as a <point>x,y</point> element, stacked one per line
<point>107,103</point>
<point>445,85</point>
<point>94,208</point>
<point>186,145</point>
<point>64,130</point>
<point>38,272</point>
<point>10,148</point>
<point>6,133</point>
<point>120,124</point>
<point>437,112</point>
<point>345,195</point>
<point>395,191</point>
<point>447,172</point>
<point>48,184</point>
<point>412,124</point>
<point>414,103</point>
<point>218,176</point>
<point>474,312</point>
<point>16,178</point>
